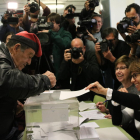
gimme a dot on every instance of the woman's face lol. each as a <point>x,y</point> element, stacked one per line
<point>122,73</point>
<point>136,79</point>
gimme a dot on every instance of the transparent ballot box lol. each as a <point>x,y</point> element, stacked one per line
<point>48,118</point>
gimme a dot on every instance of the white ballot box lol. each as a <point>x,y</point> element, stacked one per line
<point>46,114</point>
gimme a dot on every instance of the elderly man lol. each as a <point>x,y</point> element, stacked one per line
<point>14,84</point>
<point>81,66</point>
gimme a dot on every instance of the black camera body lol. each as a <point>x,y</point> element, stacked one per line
<point>11,19</point>
<point>134,37</point>
<point>75,52</point>
<point>41,25</point>
<point>85,25</point>
<point>33,7</point>
<point>124,24</point>
<point>105,44</point>
<point>93,3</point>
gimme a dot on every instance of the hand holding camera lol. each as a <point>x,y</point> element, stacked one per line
<point>67,55</point>
<point>108,55</point>
<point>97,47</point>
<point>27,9</point>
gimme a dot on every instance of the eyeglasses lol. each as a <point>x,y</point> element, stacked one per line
<point>120,68</point>
<point>134,75</point>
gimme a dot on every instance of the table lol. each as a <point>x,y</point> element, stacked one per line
<point>102,123</point>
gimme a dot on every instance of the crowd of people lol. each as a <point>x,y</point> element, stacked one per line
<point>73,58</point>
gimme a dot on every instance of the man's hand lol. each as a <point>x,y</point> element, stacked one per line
<point>96,87</point>
<point>27,9</point>
<point>90,37</point>
<point>131,29</point>
<point>5,16</point>
<point>67,55</point>
<point>97,47</point>
<point>108,55</point>
<point>101,107</point>
<point>19,107</point>
<point>52,78</point>
<point>87,5</point>
<point>79,60</point>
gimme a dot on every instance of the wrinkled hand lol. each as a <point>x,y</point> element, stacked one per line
<point>108,116</point>
<point>101,107</point>
<point>67,55</point>
<point>96,87</point>
<point>52,78</point>
<point>79,60</point>
<point>19,107</point>
<point>97,47</point>
<point>123,90</point>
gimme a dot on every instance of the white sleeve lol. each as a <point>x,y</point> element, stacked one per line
<point>109,94</point>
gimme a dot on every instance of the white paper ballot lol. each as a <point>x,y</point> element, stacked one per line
<point>62,136</point>
<point>90,124</point>
<point>93,114</point>
<point>70,94</point>
<point>83,106</point>
<point>111,133</point>
<point>87,133</point>
<point>47,91</point>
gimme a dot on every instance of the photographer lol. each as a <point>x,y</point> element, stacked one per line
<point>60,38</point>
<point>69,22</point>
<point>90,5</point>
<point>132,12</point>
<point>109,50</point>
<point>9,26</point>
<point>95,35</point>
<point>33,14</point>
<point>81,66</point>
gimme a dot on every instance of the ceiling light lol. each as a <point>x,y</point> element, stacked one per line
<point>12,5</point>
<point>56,6</point>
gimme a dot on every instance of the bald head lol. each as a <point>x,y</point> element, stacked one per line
<point>77,43</point>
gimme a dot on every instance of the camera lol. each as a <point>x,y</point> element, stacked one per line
<point>105,44</point>
<point>124,24</point>
<point>12,19</point>
<point>42,24</point>
<point>85,25</point>
<point>93,3</point>
<point>33,7</point>
<point>134,37</point>
<point>75,52</point>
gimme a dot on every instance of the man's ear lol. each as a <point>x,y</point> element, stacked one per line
<point>16,47</point>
